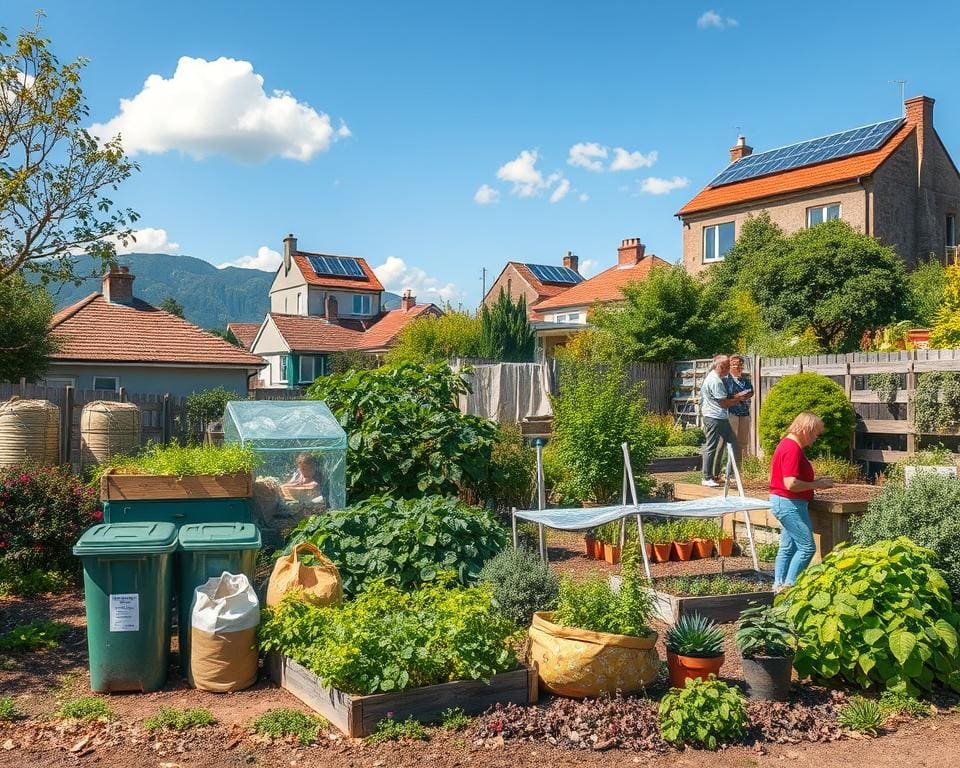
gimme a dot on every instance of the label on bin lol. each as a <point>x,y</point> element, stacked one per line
<point>125,612</point>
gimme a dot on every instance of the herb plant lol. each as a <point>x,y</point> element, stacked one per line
<point>34,636</point>
<point>695,636</point>
<point>8,710</point>
<point>861,714</point>
<point>522,584</point>
<point>179,719</point>
<point>86,708</point>
<point>454,718</point>
<point>704,713</point>
<point>282,722</point>
<point>765,631</point>
<point>184,460</point>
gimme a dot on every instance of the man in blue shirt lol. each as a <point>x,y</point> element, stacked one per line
<point>715,401</point>
<point>737,382</point>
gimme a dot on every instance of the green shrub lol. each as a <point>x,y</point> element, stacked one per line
<point>900,703</point>
<point>34,582</point>
<point>389,729</point>
<point>437,339</point>
<point>701,586</point>
<point>511,478</point>
<point>183,460</point>
<point>704,713</point>
<point>929,457</point>
<point>282,722</point>
<point>179,719</point>
<point>408,541</point>
<point>688,436</point>
<point>807,392</point>
<point>387,639</point>
<point>876,616</point>
<point>8,709</point>
<point>406,434</point>
<point>33,636</point>
<point>660,426</point>
<point>860,714</point>
<point>522,584</point>
<point>208,406</point>
<point>925,512</point>
<point>86,708</point>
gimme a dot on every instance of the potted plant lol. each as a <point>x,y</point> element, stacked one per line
<point>590,541</point>
<point>694,649</point>
<point>609,534</point>
<point>705,532</point>
<point>682,542</point>
<point>767,642</point>
<point>660,541</point>
<point>724,544</point>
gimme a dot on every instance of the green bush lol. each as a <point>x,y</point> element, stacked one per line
<point>522,584</point>
<point>387,639</point>
<point>675,451</point>
<point>34,582</point>
<point>398,730</point>
<point>179,719</point>
<point>925,512</point>
<point>281,722</point>
<point>408,541</point>
<point>34,636</point>
<point>208,406</point>
<point>876,616</point>
<point>704,713</point>
<point>928,457</point>
<point>406,434</point>
<point>511,478</point>
<point>689,436</point>
<point>807,392</point>
<point>184,460</point>
<point>438,339</point>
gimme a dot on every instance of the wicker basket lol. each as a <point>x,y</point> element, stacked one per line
<point>108,429</point>
<point>29,431</point>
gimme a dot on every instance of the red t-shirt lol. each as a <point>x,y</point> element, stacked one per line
<point>789,461</point>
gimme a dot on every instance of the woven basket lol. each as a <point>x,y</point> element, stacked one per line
<point>29,431</point>
<point>108,429</point>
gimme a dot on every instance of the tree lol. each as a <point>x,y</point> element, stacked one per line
<point>506,332</point>
<point>759,237</point>
<point>224,333</point>
<point>25,340</point>
<point>54,176</point>
<point>925,289</point>
<point>438,339</point>
<point>945,333</point>
<point>670,316</point>
<point>173,306</point>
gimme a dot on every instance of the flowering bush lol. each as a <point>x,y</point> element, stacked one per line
<point>43,511</point>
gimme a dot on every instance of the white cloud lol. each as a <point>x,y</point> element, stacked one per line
<point>712,19</point>
<point>523,174</point>
<point>587,267</point>
<point>147,240</point>
<point>561,191</point>
<point>587,155</point>
<point>655,186</point>
<point>266,259</point>
<point>624,160</point>
<point>396,276</point>
<point>219,107</point>
<point>486,195</point>
<point>584,197</point>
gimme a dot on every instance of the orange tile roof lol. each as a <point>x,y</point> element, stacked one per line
<point>797,179</point>
<point>325,281</point>
<point>314,334</point>
<point>386,329</point>
<point>544,290</point>
<point>94,330</point>
<point>603,287</point>
<point>245,332</point>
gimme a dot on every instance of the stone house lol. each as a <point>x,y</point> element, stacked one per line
<point>894,180</point>
<point>535,282</point>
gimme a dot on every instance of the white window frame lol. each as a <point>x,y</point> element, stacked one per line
<point>715,234</point>
<point>282,369</point>
<point>313,369</point>
<point>823,213</point>
<point>116,383</point>
<point>366,304</point>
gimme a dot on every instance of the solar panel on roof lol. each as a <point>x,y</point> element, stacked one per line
<point>843,144</point>
<point>336,266</point>
<point>547,273</point>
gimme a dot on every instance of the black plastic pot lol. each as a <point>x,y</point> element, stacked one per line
<point>767,678</point>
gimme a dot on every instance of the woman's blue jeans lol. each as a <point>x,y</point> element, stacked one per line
<point>796,539</point>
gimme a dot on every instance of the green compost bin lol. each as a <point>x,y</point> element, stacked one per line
<point>128,587</point>
<point>178,511</point>
<point>207,550</point>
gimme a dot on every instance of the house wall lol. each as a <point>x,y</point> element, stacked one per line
<point>514,285</point>
<point>147,379</point>
<point>284,301</point>
<point>893,190</point>
<point>269,340</point>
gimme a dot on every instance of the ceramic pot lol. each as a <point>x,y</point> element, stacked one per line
<point>683,550</point>
<point>725,546</point>
<point>661,552</point>
<point>683,668</point>
<point>703,548</point>
<point>649,548</point>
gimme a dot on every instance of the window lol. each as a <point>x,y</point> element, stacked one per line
<point>283,368</point>
<point>822,213</point>
<point>361,304</point>
<point>299,303</point>
<point>111,383</point>
<point>717,240</point>
<point>951,230</point>
<point>60,382</point>
<point>306,370</point>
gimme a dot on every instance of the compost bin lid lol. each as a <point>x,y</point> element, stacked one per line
<point>127,539</point>
<point>216,537</point>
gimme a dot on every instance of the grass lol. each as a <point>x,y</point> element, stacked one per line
<point>33,636</point>
<point>701,586</point>
<point>397,730</point>
<point>861,714</point>
<point>86,708</point>
<point>282,722</point>
<point>8,710</point>
<point>179,719</point>
<point>454,719</point>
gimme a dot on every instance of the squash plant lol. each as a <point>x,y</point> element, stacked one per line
<point>880,616</point>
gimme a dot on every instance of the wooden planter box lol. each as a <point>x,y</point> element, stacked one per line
<point>675,464</point>
<point>120,487</point>
<point>358,715</point>
<point>719,608</point>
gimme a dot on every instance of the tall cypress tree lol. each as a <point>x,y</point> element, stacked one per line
<point>507,335</point>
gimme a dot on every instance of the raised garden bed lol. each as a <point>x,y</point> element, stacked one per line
<point>358,715</point>
<point>674,464</point>
<point>119,486</point>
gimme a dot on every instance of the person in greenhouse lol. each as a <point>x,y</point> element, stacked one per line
<point>304,484</point>
<point>792,484</point>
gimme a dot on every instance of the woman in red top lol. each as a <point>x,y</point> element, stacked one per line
<point>791,490</point>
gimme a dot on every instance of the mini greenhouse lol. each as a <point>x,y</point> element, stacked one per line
<point>303,448</point>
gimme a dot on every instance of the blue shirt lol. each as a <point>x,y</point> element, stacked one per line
<point>738,385</point>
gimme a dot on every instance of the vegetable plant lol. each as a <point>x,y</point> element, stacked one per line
<point>876,616</point>
<point>522,584</point>
<point>765,631</point>
<point>281,722</point>
<point>861,714</point>
<point>407,541</point>
<point>807,392</point>
<point>33,636</point>
<point>695,636</point>
<point>704,713</point>
<point>183,460</point>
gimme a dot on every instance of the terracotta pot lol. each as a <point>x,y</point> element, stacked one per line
<point>591,546</point>
<point>726,547</point>
<point>649,548</point>
<point>661,552</point>
<point>683,550</point>
<point>683,668</point>
<point>611,553</point>
<point>703,548</point>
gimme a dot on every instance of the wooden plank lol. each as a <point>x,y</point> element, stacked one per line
<point>719,608</point>
<point>885,427</point>
<point>869,396</point>
<point>115,487</point>
<point>884,456</point>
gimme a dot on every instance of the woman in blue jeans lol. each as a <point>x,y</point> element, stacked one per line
<point>792,484</point>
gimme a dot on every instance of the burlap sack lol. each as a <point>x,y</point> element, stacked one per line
<point>223,634</point>
<point>321,583</point>
<point>579,663</point>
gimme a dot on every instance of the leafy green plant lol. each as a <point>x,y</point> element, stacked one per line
<point>8,709</point>
<point>281,722</point>
<point>695,636</point>
<point>387,639</point>
<point>437,339</point>
<point>408,541</point>
<point>522,584</point>
<point>877,615</point>
<point>511,477</point>
<point>86,708</point>
<point>34,582</point>
<point>861,714</point>
<point>207,406</point>
<point>454,719</point>
<point>884,386</point>
<point>179,719</point>
<point>406,434</point>
<point>945,333</point>
<point>704,713</point>
<point>185,460</point>
<point>936,401</point>
<point>900,703</point>
<point>937,456</point>
<point>389,729</point>
<point>33,636</point>
<point>685,436</point>
<point>765,631</point>
<point>807,392</point>
<point>700,586</point>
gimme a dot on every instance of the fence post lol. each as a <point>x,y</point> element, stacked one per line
<point>165,420</point>
<point>911,389</point>
<point>122,394</point>
<point>66,425</point>
<point>848,387</point>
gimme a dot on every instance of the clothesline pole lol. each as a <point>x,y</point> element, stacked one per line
<point>628,475</point>
<point>540,500</point>
<point>732,461</point>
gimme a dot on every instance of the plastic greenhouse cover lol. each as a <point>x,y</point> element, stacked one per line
<point>283,425</point>
<point>575,519</point>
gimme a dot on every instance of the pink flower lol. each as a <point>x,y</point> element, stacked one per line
<point>25,478</point>
<point>98,515</point>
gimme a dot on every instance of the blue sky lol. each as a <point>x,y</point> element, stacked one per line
<point>398,117</point>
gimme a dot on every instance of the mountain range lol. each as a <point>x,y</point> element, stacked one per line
<point>210,297</point>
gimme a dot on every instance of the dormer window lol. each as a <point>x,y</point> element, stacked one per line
<point>361,304</point>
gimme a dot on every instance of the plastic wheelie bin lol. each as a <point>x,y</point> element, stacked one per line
<point>128,587</point>
<point>207,550</point>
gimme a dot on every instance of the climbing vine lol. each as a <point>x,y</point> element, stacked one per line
<point>936,402</point>
<point>885,386</point>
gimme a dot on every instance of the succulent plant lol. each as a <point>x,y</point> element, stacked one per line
<point>695,636</point>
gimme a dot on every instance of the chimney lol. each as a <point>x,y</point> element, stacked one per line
<point>407,301</point>
<point>118,285</point>
<point>571,261</point>
<point>919,111</point>
<point>330,309</point>
<point>630,252</point>
<point>289,248</point>
<point>740,150</point>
